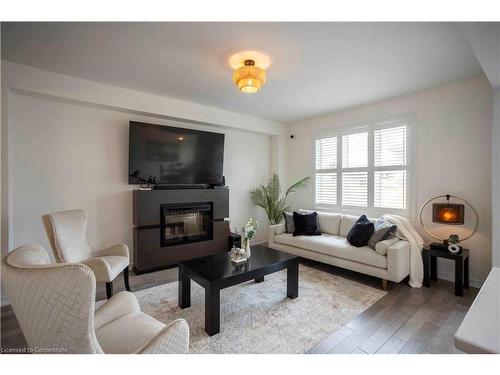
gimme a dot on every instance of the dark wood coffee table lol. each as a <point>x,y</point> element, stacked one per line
<point>216,272</point>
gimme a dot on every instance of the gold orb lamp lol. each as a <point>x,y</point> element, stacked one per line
<point>449,214</point>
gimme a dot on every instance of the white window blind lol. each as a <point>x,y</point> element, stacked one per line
<point>390,189</point>
<point>326,167</point>
<point>355,150</point>
<point>354,169</point>
<point>326,188</point>
<point>389,154</point>
<point>364,171</point>
<point>355,189</point>
<point>326,153</point>
<point>390,146</point>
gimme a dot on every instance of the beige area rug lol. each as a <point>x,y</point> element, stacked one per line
<point>259,318</point>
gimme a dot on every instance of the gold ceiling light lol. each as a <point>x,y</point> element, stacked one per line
<point>249,78</point>
<point>249,70</point>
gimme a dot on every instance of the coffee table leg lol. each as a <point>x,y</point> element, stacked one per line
<point>292,281</point>
<point>212,311</point>
<point>184,289</point>
<point>259,279</point>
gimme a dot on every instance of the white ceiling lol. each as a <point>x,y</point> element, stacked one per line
<point>317,68</point>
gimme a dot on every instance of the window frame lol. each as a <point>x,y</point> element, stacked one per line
<point>407,119</point>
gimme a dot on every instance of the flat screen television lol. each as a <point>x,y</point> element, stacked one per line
<point>171,156</point>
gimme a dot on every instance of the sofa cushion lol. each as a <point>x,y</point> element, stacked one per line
<point>336,246</point>
<point>327,222</point>
<point>346,224</point>
<point>306,224</point>
<point>348,221</point>
<point>360,232</point>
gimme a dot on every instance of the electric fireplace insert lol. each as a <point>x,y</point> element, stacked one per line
<point>185,223</point>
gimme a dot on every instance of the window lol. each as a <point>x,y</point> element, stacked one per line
<point>364,169</point>
<point>355,169</point>
<point>390,166</point>
<point>326,162</point>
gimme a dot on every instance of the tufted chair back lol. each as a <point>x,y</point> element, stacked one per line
<point>54,304</point>
<point>67,235</point>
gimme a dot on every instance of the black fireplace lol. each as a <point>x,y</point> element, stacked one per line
<point>179,224</point>
<point>185,223</point>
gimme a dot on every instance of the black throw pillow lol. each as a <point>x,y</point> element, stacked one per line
<point>306,225</point>
<point>360,232</point>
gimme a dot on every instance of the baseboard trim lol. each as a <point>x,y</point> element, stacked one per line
<point>451,277</point>
<point>258,241</point>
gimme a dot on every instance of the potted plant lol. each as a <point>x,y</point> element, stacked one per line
<point>270,199</point>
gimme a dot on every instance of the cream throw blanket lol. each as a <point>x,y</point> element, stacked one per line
<point>408,232</point>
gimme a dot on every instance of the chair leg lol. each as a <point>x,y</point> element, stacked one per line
<point>109,290</point>
<point>384,284</point>
<point>125,279</point>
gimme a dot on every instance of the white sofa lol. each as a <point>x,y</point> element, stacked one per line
<point>389,261</point>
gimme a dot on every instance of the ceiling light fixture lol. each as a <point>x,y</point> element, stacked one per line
<point>249,70</point>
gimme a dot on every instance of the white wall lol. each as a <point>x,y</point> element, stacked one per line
<point>484,38</point>
<point>67,156</point>
<point>65,150</point>
<point>54,118</point>
<point>495,193</point>
<point>452,152</point>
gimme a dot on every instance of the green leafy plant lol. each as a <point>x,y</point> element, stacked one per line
<point>269,197</point>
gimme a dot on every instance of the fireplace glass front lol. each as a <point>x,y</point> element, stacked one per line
<point>185,223</point>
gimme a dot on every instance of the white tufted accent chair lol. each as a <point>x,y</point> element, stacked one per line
<point>54,304</point>
<point>66,231</point>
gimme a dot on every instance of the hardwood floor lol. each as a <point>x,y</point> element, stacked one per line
<point>406,320</point>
